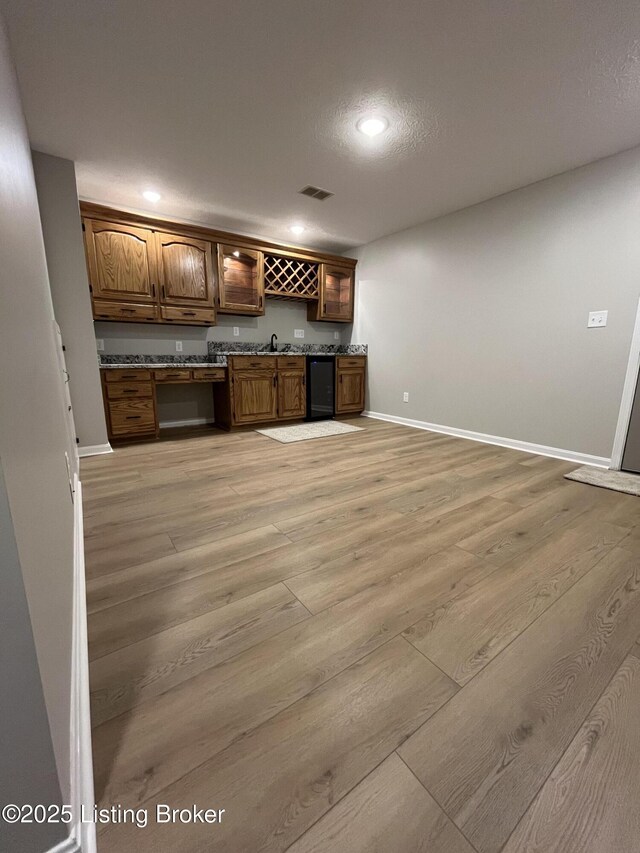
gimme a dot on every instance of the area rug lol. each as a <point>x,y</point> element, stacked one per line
<point>619,481</point>
<point>303,432</point>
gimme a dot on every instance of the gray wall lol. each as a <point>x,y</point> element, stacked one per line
<point>61,226</point>
<point>28,766</point>
<point>33,431</point>
<point>280,317</point>
<point>482,315</point>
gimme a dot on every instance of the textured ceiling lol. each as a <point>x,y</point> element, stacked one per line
<point>228,108</point>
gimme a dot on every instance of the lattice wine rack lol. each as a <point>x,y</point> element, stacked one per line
<point>288,277</point>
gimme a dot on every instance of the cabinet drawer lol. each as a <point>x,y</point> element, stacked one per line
<point>206,374</point>
<point>244,362</point>
<point>123,311</point>
<point>132,416</point>
<point>133,374</point>
<point>201,316</point>
<point>121,390</point>
<point>291,362</point>
<point>170,375</point>
<point>351,361</point>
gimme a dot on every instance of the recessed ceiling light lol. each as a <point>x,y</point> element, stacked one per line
<point>373,125</point>
<point>151,195</point>
<point>236,254</point>
<point>297,229</point>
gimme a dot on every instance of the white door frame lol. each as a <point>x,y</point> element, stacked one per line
<point>628,393</point>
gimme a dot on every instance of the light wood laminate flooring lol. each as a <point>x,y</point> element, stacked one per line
<point>391,641</point>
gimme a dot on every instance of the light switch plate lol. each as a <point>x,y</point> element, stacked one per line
<point>336,336</point>
<point>405,397</point>
<point>100,344</point>
<point>298,333</point>
<point>236,331</point>
<point>597,319</point>
<point>178,346</point>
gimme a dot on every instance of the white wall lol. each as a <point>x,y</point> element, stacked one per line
<point>28,771</point>
<point>62,229</point>
<point>482,315</point>
<point>33,437</point>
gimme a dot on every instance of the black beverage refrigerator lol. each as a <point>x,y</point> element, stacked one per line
<point>320,387</point>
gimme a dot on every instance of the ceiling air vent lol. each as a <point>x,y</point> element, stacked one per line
<point>315,192</point>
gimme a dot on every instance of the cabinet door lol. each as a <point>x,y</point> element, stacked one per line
<point>254,396</point>
<point>185,271</point>
<point>350,390</point>
<point>292,401</point>
<point>240,281</point>
<point>336,294</point>
<point>122,261</point>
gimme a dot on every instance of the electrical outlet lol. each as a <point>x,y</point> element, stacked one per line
<point>236,331</point>
<point>597,319</point>
<point>405,397</point>
<point>336,336</point>
<point>100,344</point>
<point>298,333</point>
<point>178,346</point>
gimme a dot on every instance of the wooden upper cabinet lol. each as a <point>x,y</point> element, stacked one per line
<point>335,301</point>
<point>240,280</point>
<point>185,270</point>
<point>122,262</point>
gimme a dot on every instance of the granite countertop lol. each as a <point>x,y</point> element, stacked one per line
<point>217,356</point>
<point>113,365</point>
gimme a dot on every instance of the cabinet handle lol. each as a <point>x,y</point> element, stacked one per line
<point>128,310</point>
<point>188,313</point>
<point>275,380</point>
<point>153,290</point>
<point>128,377</point>
<point>128,390</point>
<point>163,292</point>
<point>133,417</point>
<point>324,307</point>
<point>304,381</point>
<point>261,303</point>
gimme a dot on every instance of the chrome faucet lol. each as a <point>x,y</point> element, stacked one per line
<point>273,347</point>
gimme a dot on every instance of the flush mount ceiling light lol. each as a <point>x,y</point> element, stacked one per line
<point>372,125</point>
<point>297,229</point>
<point>236,254</point>
<point>151,195</point>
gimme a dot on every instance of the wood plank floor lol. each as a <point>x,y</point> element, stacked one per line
<point>390,640</point>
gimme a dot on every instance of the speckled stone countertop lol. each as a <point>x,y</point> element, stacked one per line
<point>137,360</point>
<point>219,350</point>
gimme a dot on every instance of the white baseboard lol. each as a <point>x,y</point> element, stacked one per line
<point>186,422</point>
<point>514,444</point>
<point>82,835</point>
<point>67,846</point>
<point>94,450</point>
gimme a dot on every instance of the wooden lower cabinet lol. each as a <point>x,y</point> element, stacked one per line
<point>254,395</point>
<point>350,385</point>
<point>292,394</point>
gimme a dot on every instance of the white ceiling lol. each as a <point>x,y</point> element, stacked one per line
<point>228,108</point>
